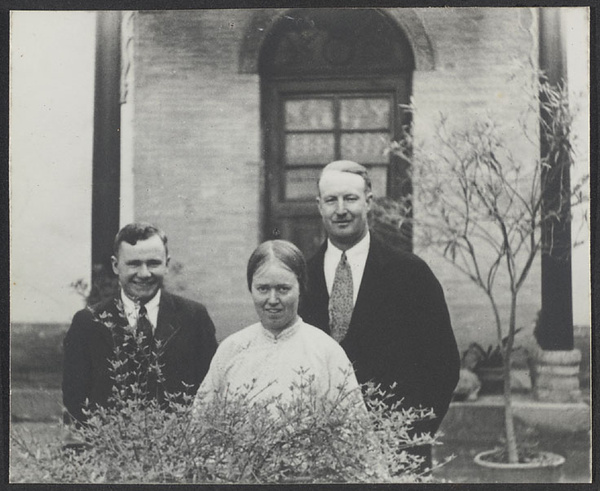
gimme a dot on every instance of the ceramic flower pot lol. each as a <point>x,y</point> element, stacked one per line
<point>492,379</point>
<point>545,468</point>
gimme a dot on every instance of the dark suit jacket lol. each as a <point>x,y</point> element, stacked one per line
<point>400,330</point>
<point>184,327</point>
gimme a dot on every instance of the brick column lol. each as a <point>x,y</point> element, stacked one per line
<point>556,364</point>
<point>106,175</point>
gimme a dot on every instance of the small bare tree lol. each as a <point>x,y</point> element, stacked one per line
<point>482,205</point>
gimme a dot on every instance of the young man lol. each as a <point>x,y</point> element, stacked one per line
<point>179,330</point>
<point>386,308</point>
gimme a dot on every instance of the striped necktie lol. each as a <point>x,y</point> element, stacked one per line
<point>340,301</point>
<point>147,376</point>
<point>144,327</point>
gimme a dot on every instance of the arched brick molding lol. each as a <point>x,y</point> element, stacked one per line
<point>262,21</point>
<point>410,22</point>
<point>258,26</point>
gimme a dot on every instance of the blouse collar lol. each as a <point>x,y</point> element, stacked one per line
<point>287,333</point>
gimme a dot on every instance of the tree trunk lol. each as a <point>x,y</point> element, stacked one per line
<point>509,422</point>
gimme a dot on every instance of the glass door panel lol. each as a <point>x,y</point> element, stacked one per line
<point>365,148</point>
<point>309,148</point>
<point>330,127</point>
<point>308,114</point>
<point>365,113</point>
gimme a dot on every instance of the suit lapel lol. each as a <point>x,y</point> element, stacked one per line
<point>319,275</point>
<point>370,294</point>
<point>167,323</point>
<point>318,294</point>
<point>110,321</point>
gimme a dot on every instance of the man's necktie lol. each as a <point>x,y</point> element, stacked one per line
<point>148,377</point>
<point>144,327</point>
<point>340,301</point>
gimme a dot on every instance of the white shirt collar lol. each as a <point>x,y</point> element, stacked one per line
<point>361,248</point>
<point>357,258</point>
<point>131,308</point>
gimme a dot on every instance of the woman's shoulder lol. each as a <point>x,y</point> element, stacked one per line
<point>318,335</point>
<point>323,345</point>
<point>241,337</point>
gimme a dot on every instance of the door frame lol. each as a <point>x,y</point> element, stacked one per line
<point>272,89</point>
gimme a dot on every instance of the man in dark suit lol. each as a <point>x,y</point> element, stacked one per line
<point>160,327</point>
<point>385,307</point>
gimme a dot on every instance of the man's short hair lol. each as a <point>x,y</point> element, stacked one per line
<point>133,232</point>
<point>351,167</point>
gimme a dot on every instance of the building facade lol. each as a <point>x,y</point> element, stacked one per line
<point>213,124</point>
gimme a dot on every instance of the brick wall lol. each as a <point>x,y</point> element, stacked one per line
<point>197,142</point>
<point>197,153</point>
<point>482,66</point>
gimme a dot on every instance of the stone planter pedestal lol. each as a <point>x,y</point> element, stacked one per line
<point>548,469</point>
<point>555,375</point>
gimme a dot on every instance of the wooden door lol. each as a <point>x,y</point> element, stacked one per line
<point>333,85</point>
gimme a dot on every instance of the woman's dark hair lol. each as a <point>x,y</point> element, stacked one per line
<point>284,251</point>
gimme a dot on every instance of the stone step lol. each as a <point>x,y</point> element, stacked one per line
<point>31,404</point>
<point>483,419</point>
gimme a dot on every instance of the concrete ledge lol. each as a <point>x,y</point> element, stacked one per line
<point>483,420</point>
<point>555,416</point>
<point>28,404</point>
<point>36,347</point>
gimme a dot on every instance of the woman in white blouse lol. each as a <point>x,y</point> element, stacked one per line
<point>270,355</point>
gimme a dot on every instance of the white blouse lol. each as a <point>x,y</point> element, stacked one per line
<point>270,363</point>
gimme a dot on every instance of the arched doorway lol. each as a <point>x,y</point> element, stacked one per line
<point>333,86</point>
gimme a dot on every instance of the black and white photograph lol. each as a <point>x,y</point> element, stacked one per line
<point>300,245</point>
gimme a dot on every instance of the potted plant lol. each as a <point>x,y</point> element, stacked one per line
<point>480,205</point>
<point>547,466</point>
<point>488,365</point>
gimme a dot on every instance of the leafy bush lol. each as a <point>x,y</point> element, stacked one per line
<point>390,221</point>
<point>232,437</point>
